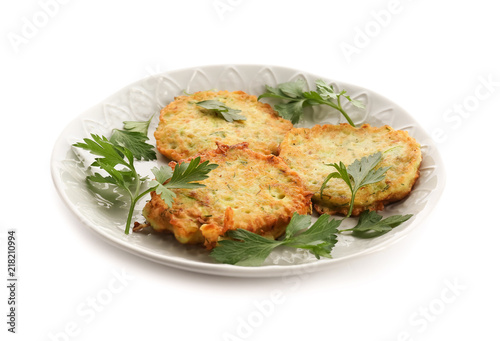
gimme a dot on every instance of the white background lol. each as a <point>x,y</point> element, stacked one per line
<point>427,56</point>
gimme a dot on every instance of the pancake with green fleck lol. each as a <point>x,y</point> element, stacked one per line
<point>186,128</point>
<point>248,190</point>
<point>308,151</point>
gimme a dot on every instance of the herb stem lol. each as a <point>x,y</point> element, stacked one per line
<point>137,182</point>
<point>129,217</point>
<point>133,203</point>
<point>351,205</point>
<point>133,197</point>
<point>339,108</point>
<point>346,116</point>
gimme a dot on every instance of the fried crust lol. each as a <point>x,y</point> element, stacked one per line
<point>248,190</point>
<point>308,151</point>
<point>186,129</point>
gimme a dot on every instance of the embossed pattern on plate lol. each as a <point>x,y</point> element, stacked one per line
<point>141,99</point>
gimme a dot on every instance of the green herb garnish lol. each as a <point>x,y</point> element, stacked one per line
<point>297,99</point>
<point>138,126</point>
<point>358,174</point>
<point>116,157</point>
<point>184,175</point>
<point>222,110</point>
<point>133,136</point>
<point>371,224</point>
<point>250,249</point>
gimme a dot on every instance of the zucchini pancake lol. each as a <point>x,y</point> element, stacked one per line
<point>308,151</point>
<point>248,190</point>
<point>187,129</point>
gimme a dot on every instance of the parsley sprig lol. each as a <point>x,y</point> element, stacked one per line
<point>358,174</point>
<point>184,175</point>
<point>371,224</point>
<point>250,249</point>
<point>297,99</point>
<point>222,110</point>
<point>116,157</point>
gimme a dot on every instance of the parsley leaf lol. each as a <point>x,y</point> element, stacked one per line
<point>138,126</point>
<point>358,174</point>
<point>250,249</point>
<point>101,146</point>
<point>363,171</point>
<point>135,142</point>
<point>291,110</point>
<point>133,137</point>
<point>162,174</point>
<point>297,99</point>
<point>371,224</point>
<point>319,239</point>
<point>183,176</point>
<point>327,92</point>
<point>185,173</point>
<point>222,110</point>
<point>245,249</point>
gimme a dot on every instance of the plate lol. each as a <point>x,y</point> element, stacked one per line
<point>98,209</point>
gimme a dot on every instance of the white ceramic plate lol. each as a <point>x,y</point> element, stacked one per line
<point>140,100</point>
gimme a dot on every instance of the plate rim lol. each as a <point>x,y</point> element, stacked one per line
<point>226,269</point>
